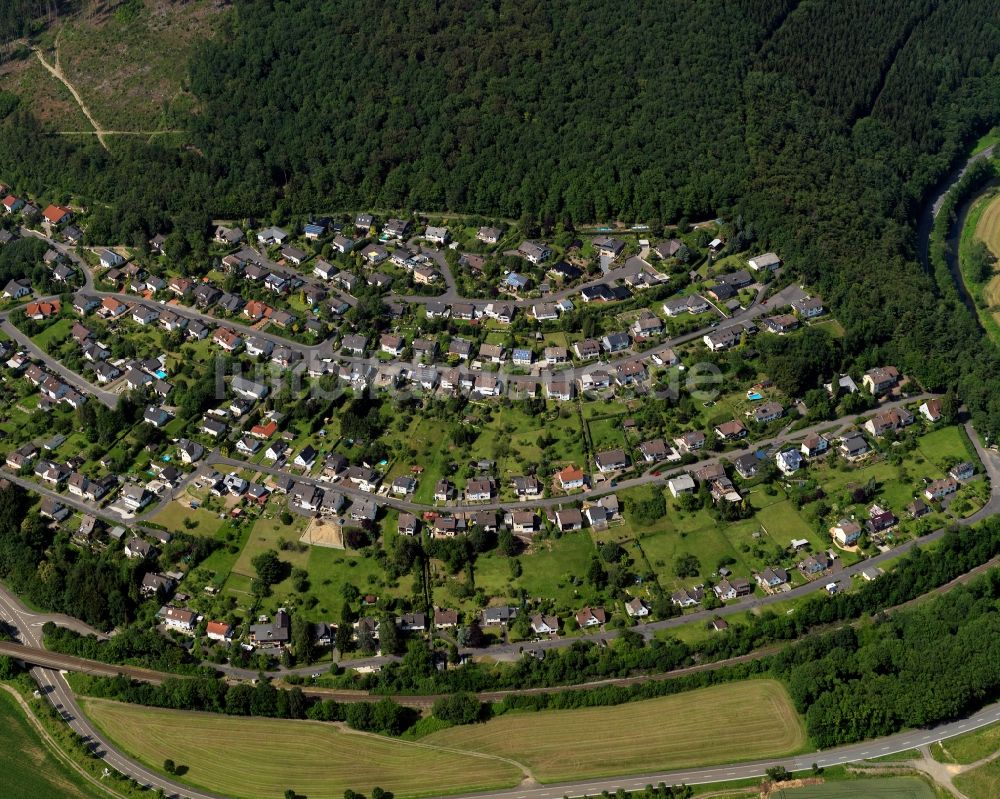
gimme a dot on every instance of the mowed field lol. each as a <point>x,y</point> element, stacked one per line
<point>721,724</point>
<point>262,758</point>
<point>30,770</point>
<point>988,227</point>
<point>988,231</point>
<point>887,788</point>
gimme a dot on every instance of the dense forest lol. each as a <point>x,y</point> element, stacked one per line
<point>816,129</point>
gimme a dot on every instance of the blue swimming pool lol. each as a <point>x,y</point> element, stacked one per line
<point>160,374</point>
<point>754,395</point>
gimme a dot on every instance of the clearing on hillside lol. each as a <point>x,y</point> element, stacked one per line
<point>666,733</point>
<point>261,758</point>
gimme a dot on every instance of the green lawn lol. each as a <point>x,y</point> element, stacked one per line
<point>946,445</point>
<point>57,331</point>
<point>264,535</point>
<point>174,515</point>
<point>548,572</point>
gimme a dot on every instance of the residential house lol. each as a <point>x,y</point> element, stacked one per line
<point>781,324</point>
<point>523,522</point>
<point>815,564</point>
<point>931,410</point>
<point>722,339</point>
<point>227,339</point>
<point>888,421</point>
<point>608,247</point>
<point>615,342</point>
<point>109,259</point>
<point>647,325</point>
<point>407,524</point>
<point>570,478</point>
<point>846,532</point>
<point>180,619</point>
<point>853,446</point>
<point>691,441</point>
<point>16,289</point>
<point>766,262</point>
<point>691,304</point>
<point>190,451</point>
<point>489,235</point>
<point>630,372</point>
<point>392,345</point>
<point>611,460</point>
<point>355,344</point>
<point>814,445</point>
<point>730,431</point>
<point>962,471</point>
<point>498,617</point>
<point>272,235</point>
<point>688,598</point>
<point>879,380</point>
<point>534,253</point>
<point>587,349</point>
<point>569,519</point>
<point>682,484</point>
<point>544,625</point>
<point>771,577</point>
<point>789,461</point>
<point>732,588</point>
<point>654,450</point>
<point>939,489</point>
<point>809,307</point>
<point>767,412</point>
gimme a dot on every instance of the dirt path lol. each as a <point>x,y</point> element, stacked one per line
<point>57,73</point>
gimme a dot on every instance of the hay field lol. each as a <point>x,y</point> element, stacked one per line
<point>722,724</point>
<point>988,226</point>
<point>262,758</point>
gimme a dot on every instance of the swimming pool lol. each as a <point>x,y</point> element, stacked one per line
<point>160,374</point>
<point>754,395</point>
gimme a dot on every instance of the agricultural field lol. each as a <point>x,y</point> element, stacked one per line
<point>988,225</point>
<point>30,769</point>
<point>261,758</point>
<point>980,783</point>
<point>560,745</point>
<point>882,788</point>
<point>982,224</point>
